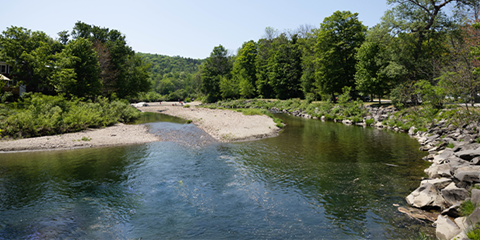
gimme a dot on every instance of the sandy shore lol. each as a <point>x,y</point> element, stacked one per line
<point>223,125</point>
<point>119,134</point>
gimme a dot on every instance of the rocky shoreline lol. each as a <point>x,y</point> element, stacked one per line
<point>453,177</point>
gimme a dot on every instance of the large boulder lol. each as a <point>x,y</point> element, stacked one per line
<point>469,174</point>
<point>438,170</point>
<point>454,195</point>
<point>468,154</point>
<point>426,196</point>
<point>446,228</point>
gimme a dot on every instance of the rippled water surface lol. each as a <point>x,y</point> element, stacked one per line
<point>314,181</point>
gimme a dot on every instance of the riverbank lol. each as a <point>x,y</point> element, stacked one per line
<point>119,134</point>
<point>449,197</point>
<point>223,125</point>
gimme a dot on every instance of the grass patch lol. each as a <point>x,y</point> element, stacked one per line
<point>86,138</point>
<point>466,208</point>
<point>189,121</point>
<point>450,145</point>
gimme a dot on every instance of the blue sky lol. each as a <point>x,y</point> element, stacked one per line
<point>181,27</point>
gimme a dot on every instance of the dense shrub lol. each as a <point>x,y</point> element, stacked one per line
<point>39,115</point>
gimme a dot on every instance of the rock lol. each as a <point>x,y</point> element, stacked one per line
<point>438,170</point>
<point>419,214</point>
<point>469,174</point>
<point>460,221</point>
<point>468,154</point>
<point>452,211</point>
<point>323,118</point>
<point>446,228</point>
<point>426,196</point>
<point>454,195</point>
<point>461,236</point>
<point>438,183</point>
<point>444,155</point>
<point>475,197</point>
<point>411,131</point>
<point>474,217</point>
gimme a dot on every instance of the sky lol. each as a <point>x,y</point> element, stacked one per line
<point>180,27</point>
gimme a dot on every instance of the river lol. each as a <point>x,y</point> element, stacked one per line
<point>314,181</point>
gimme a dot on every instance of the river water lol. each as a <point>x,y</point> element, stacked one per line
<point>314,181</point>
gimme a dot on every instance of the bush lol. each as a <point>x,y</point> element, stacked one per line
<point>369,122</point>
<point>40,115</point>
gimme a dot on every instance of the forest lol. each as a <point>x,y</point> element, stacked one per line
<point>88,61</point>
<point>420,50</point>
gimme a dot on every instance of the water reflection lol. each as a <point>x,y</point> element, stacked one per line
<point>316,180</point>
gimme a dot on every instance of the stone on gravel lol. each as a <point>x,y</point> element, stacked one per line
<point>446,228</point>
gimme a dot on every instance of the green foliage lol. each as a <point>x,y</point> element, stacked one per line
<point>186,106</point>
<point>432,95</point>
<point>466,208</point>
<point>215,67</point>
<point>86,138</point>
<point>189,121</point>
<point>78,70</point>
<point>450,145</point>
<point>285,68</point>
<point>339,38</point>
<point>475,233</point>
<point>369,122</point>
<point>39,115</point>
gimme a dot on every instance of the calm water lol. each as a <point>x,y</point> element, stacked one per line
<point>314,181</point>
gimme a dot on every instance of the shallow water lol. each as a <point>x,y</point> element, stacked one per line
<point>315,181</point>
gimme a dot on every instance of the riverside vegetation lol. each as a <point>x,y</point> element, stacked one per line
<point>39,115</point>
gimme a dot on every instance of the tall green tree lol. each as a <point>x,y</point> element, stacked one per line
<point>339,37</point>
<point>77,71</point>
<point>123,64</point>
<point>375,74</point>
<point>285,69</point>
<point>244,70</point>
<point>215,67</point>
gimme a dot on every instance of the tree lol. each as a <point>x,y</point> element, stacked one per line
<point>215,67</point>
<point>244,70</point>
<point>307,48</point>
<point>29,53</point>
<point>78,70</point>
<point>375,74</point>
<point>123,68</point>
<point>285,68</point>
<point>339,37</point>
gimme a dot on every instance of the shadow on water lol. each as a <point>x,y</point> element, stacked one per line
<point>315,180</point>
